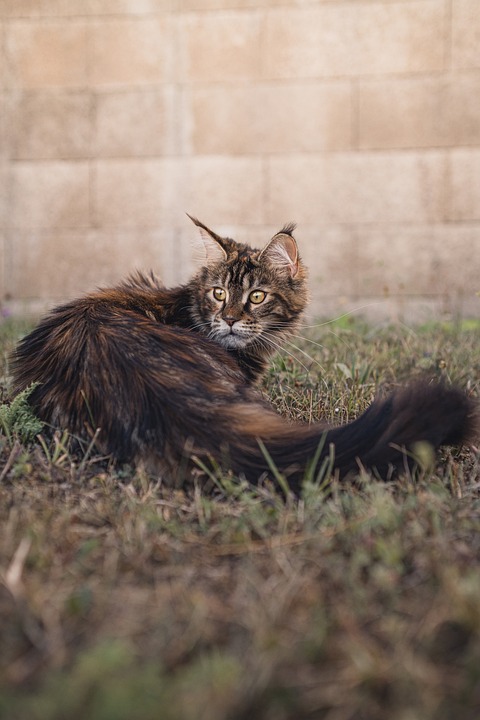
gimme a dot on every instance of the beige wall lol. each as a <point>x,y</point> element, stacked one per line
<point>358,119</point>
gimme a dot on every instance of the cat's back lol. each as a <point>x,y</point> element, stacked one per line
<point>60,339</point>
<point>107,347</point>
<point>67,336</point>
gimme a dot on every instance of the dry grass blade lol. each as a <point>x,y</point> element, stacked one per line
<point>13,575</point>
<point>14,453</point>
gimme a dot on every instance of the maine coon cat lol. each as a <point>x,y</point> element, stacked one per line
<point>162,376</point>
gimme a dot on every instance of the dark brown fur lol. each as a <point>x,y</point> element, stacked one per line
<point>167,374</point>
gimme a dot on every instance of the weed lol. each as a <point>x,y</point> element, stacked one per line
<point>18,420</point>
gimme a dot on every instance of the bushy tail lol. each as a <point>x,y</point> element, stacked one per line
<point>390,436</point>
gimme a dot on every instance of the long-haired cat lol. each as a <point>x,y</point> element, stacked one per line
<point>166,375</point>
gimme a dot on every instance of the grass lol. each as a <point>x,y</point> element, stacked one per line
<point>122,600</point>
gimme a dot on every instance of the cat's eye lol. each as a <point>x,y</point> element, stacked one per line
<point>219,294</point>
<point>257,296</point>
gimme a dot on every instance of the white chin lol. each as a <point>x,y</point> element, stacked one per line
<point>233,341</point>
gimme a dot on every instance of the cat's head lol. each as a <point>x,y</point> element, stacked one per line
<point>246,297</point>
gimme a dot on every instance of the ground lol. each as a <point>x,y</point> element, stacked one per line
<point>120,599</point>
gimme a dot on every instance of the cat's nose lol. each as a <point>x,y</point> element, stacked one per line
<point>230,320</point>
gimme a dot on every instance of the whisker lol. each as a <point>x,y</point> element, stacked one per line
<point>342,340</point>
<point>344,315</point>
<point>305,339</point>
<point>282,348</point>
<point>315,362</point>
<point>201,325</point>
<point>312,342</point>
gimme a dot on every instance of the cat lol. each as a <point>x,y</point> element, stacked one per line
<point>163,376</point>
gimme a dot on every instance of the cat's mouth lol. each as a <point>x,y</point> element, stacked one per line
<point>231,334</point>
<point>232,339</point>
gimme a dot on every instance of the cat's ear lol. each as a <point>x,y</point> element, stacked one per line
<point>282,251</point>
<point>213,243</point>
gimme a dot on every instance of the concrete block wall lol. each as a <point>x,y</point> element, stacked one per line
<point>358,119</point>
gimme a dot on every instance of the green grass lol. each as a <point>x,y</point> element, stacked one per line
<point>122,600</point>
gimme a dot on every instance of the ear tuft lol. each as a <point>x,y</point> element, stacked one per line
<point>213,243</point>
<point>282,251</point>
<point>288,229</point>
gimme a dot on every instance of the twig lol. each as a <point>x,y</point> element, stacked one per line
<point>11,459</point>
<point>13,576</point>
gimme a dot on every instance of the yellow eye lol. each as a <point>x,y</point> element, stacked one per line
<point>257,296</point>
<point>219,294</point>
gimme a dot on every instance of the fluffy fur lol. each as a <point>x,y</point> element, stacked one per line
<point>168,374</point>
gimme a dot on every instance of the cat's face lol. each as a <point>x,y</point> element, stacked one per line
<point>247,297</point>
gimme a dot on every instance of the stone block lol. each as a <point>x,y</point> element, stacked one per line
<point>410,112</point>
<point>330,254</point>
<point>3,284</point>
<point>357,187</point>
<point>54,266</point>
<point>47,53</point>
<point>269,118</point>
<point>137,193</point>
<point>47,266</point>
<point>53,194</point>
<point>465,34</point>
<point>4,142</point>
<point>44,8</point>
<point>350,39</point>
<point>130,51</point>
<point>70,8</point>
<point>406,309</point>
<point>223,46</point>
<point>135,123</point>
<point>425,260</point>
<point>129,7</point>
<point>52,125</point>
<point>464,186</point>
<point>238,4</point>
<point>2,61</point>
<point>3,193</point>
<point>226,189</point>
